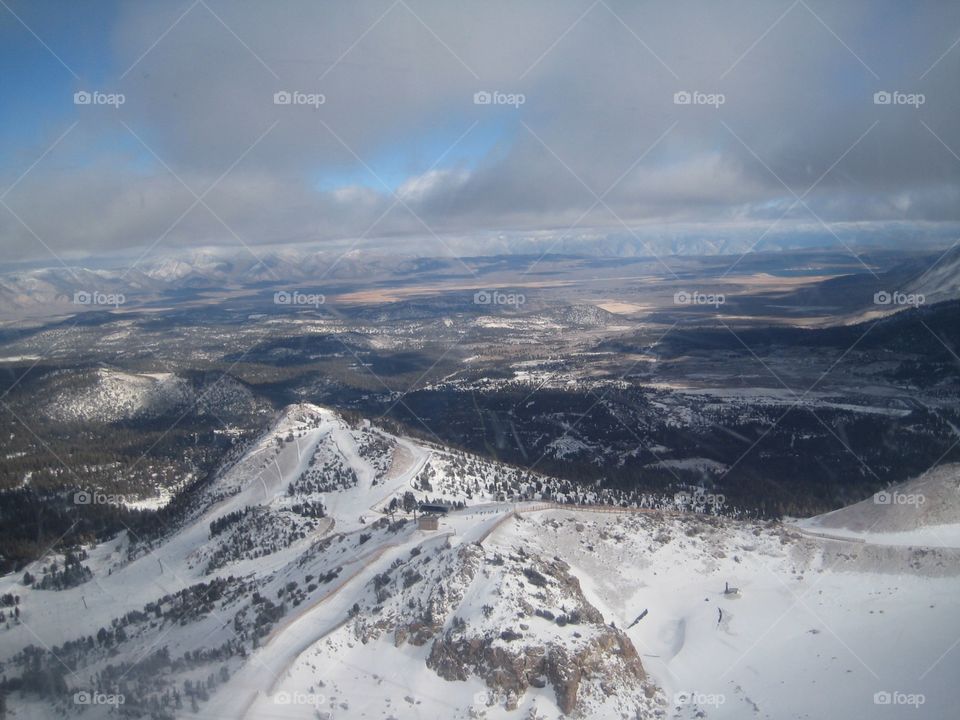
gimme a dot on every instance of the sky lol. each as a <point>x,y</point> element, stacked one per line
<point>184,143</point>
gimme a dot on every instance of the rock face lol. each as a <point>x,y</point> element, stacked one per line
<point>609,658</point>
<point>589,660</point>
<point>512,619</point>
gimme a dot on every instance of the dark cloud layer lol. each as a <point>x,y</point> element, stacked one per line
<point>399,78</point>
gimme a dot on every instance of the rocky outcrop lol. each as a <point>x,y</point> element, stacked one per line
<point>527,625</point>
<point>608,659</point>
<point>573,651</point>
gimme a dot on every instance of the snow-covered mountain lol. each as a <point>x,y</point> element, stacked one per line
<point>138,282</point>
<point>941,281</point>
<point>300,585</point>
<point>113,395</point>
<point>108,395</point>
<point>68,289</point>
<point>924,511</point>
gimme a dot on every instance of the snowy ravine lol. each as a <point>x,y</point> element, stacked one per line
<point>295,590</point>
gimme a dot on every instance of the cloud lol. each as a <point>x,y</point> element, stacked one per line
<point>421,188</point>
<point>398,120</point>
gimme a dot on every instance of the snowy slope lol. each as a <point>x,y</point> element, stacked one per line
<point>818,628</point>
<point>924,511</point>
<point>289,591</point>
<point>108,395</point>
<point>113,395</point>
<point>941,281</point>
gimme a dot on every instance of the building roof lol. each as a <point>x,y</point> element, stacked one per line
<point>435,507</point>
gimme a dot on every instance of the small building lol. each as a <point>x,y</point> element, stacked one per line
<point>429,522</point>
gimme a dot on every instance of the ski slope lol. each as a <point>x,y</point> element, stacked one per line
<point>509,609</point>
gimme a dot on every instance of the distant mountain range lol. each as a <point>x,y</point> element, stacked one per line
<point>61,290</point>
<point>65,290</point>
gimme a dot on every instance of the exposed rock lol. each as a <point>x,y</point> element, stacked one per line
<point>593,665</point>
<point>601,654</point>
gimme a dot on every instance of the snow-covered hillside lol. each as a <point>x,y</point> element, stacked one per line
<point>112,395</point>
<point>109,395</point>
<point>924,511</point>
<point>941,280</point>
<point>301,586</point>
